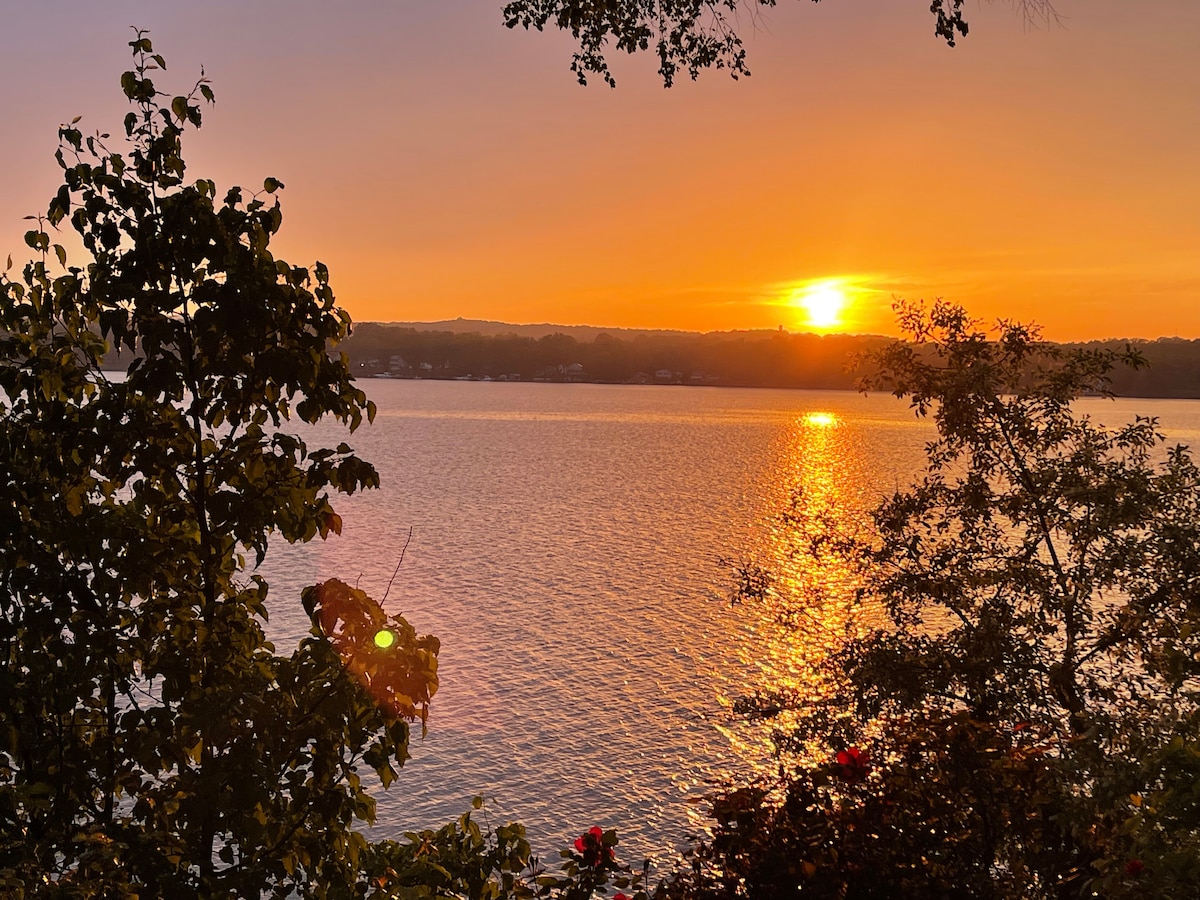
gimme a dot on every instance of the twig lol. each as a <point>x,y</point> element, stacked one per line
<point>397,572</point>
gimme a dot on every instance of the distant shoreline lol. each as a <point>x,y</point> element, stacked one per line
<point>751,359</point>
<point>760,359</point>
<point>755,387</point>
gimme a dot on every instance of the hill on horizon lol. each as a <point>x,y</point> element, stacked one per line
<point>537,330</point>
<point>490,328</point>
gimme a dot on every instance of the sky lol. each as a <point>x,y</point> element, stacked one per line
<point>442,165</point>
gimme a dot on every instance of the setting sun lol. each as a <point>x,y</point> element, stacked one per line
<point>822,304</point>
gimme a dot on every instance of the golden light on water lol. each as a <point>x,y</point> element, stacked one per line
<point>819,470</point>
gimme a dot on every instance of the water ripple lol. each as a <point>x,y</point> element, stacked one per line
<point>564,549</point>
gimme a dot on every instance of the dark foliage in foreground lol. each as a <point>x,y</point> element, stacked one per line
<point>153,742</point>
<point>1025,722</point>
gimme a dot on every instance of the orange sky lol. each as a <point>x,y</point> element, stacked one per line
<point>444,166</point>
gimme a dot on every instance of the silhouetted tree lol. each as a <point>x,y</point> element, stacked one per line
<point>1026,720</point>
<point>153,742</point>
<point>685,34</point>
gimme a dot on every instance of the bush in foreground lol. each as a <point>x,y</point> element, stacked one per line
<point>1025,722</point>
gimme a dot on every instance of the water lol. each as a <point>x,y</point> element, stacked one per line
<point>564,549</point>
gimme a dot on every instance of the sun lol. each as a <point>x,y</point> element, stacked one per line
<point>822,303</point>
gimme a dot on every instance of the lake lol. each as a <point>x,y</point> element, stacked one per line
<point>564,549</point>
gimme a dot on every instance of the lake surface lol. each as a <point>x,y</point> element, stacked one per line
<point>564,549</point>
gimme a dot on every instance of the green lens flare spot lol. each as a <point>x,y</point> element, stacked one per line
<point>384,639</point>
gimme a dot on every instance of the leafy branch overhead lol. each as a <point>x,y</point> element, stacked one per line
<point>687,35</point>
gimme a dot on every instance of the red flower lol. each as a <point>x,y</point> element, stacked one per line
<point>1134,868</point>
<point>853,764</point>
<point>619,895</point>
<point>590,845</point>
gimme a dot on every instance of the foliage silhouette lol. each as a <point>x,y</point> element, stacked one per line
<point>153,743</point>
<point>688,35</point>
<point>1029,706</point>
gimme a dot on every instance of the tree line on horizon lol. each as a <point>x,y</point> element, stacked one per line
<point>733,358</point>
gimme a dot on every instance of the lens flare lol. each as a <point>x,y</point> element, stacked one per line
<point>384,639</point>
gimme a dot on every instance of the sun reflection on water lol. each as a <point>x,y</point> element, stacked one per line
<point>820,419</point>
<point>817,503</point>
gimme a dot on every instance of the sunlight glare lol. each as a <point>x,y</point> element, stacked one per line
<point>820,419</point>
<point>822,303</point>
